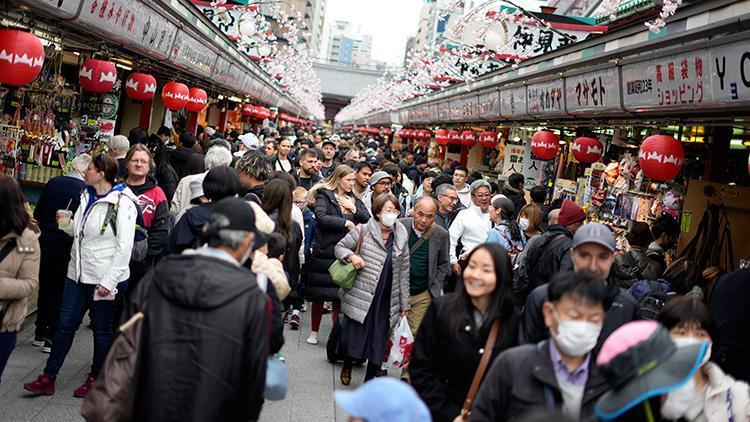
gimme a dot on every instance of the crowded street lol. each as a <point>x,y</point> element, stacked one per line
<point>375,211</point>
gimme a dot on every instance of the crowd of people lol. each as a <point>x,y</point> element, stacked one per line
<point>517,302</point>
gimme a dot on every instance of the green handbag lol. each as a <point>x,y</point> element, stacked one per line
<point>344,273</point>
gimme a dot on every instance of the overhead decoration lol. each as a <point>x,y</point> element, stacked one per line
<point>175,95</point>
<point>587,150</point>
<point>454,137</point>
<point>441,137</point>
<point>21,57</point>
<point>140,86</point>
<point>544,145</point>
<point>97,76</point>
<point>468,138</point>
<point>661,157</point>
<point>197,100</point>
<point>488,139</point>
<point>424,135</point>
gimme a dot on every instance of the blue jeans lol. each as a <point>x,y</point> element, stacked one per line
<point>77,298</point>
<point>7,343</point>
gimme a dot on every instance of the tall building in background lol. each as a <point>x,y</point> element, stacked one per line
<point>317,22</point>
<point>347,46</point>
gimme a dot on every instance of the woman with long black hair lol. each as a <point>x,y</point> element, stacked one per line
<point>277,203</point>
<point>453,334</point>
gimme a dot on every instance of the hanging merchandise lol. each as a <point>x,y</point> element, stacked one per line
<point>454,137</point>
<point>441,137</point>
<point>587,150</point>
<point>140,86</point>
<point>488,139</point>
<point>21,57</point>
<point>197,101</point>
<point>544,145</point>
<point>661,157</point>
<point>97,76</point>
<point>468,138</point>
<point>175,95</point>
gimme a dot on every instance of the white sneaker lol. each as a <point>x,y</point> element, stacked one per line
<point>313,339</point>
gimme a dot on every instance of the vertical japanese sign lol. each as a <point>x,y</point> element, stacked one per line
<point>489,106</point>
<point>593,92</point>
<point>513,102</point>
<point>730,76</point>
<point>513,159</point>
<point>533,170</point>
<point>546,98</point>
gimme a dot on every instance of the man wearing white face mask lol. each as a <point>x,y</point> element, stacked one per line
<point>557,373</point>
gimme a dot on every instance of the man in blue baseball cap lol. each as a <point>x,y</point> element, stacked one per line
<point>383,399</point>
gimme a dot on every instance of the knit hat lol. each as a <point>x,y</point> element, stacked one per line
<point>570,213</point>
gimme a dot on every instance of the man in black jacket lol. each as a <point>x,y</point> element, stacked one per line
<point>207,341</point>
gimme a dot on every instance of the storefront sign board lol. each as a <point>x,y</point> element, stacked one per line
<point>533,170</point>
<point>221,70</point>
<point>593,92</point>
<point>730,73</point>
<point>546,98</point>
<point>65,9</point>
<point>489,106</point>
<point>444,111</point>
<point>191,54</point>
<point>513,162</point>
<point>513,102</point>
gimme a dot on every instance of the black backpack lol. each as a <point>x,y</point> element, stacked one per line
<point>651,303</point>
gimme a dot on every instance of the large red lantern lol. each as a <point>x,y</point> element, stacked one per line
<point>587,150</point>
<point>468,138</point>
<point>247,109</point>
<point>97,76</point>
<point>488,139</point>
<point>454,137</point>
<point>544,145</point>
<point>21,57</point>
<point>441,137</point>
<point>409,134</point>
<point>175,95</point>
<point>197,100</point>
<point>661,157</point>
<point>140,86</point>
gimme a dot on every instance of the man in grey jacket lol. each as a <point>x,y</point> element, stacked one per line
<point>429,262</point>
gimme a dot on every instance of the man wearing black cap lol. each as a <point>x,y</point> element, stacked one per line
<point>329,151</point>
<point>208,327</point>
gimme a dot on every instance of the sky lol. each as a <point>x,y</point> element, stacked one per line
<point>390,22</point>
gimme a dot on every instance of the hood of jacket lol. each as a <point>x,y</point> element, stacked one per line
<point>198,216</point>
<point>189,280</point>
<point>510,191</point>
<point>181,154</point>
<point>140,189</point>
<point>465,189</point>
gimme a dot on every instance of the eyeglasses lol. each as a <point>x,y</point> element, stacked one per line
<point>300,203</point>
<point>482,196</point>
<point>384,183</point>
<point>144,162</point>
<point>451,198</point>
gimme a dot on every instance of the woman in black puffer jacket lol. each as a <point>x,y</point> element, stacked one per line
<point>337,210</point>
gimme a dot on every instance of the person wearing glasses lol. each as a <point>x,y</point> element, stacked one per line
<point>380,183</point>
<point>471,225</point>
<point>447,198</point>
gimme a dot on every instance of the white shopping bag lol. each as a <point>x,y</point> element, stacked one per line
<point>398,352</point>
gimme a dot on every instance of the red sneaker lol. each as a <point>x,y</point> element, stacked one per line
<point>294,322</point>
<point>84,388</point>
<point>43,386</point>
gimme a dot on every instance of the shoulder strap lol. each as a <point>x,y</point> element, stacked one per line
<point>425,236</point>
<point>359,241</point>
<point>7,249</point>
<point>482,368</point>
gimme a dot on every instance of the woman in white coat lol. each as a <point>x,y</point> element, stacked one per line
<point>711,395</point>
<point>103,229</point>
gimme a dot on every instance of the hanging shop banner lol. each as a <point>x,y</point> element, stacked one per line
<point>533,170</point>
<point>546,98</point>
<point>513,103</point>
<point>433,117</point>
<point>65,9</point>
<point>730,73</point>
<point>190,54</point>
<point>672,82</point>
<point>454,110</point>
<point>234,78</point>
<point>488,107</point>
<point>467,108</point>
<point>403,116</point>
<point>593,92</point>
<point>513,159</point>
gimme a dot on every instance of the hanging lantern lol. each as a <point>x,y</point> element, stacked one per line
<point>21,57</point>
<point>140,86</point>
<point>409,134</point>
<point>426,135</point>
<point>544,145</point>
<point>97,76</point>
<point>468,138</point>
<point>454,137</point>
<point>587,150</point>
<point>661,157</point>
<point>401,133</point>
<point>247,109</point>
<point>197,100</point>
<point>175,95</point>
<point>441,137</point>
<point>488,139</point>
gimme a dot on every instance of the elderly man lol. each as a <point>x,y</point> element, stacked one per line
<point>447,198</point>
<point>471,225</point>
<point>217,155</point>
<point>118,148</point>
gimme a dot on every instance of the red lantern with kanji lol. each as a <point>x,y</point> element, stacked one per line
<point>247,109</point>
<point>488,139</point>
<point>175,95</point>
<point>140,86</point>
<point>409,134</point>
<point>468,138</point>
<point>661,157</point>
<point>587,150</point>
<point>21,57</point>
<point>97,76</point>
<point>441,137</point>
<point>544,145</point>
<point>454,137</point>
<point>197,101</point>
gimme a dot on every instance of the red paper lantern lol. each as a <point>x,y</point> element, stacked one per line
<point>21,57</point>
<point>661,157</point>
<point>97,76</point>
<point>468,138</point>
<point>409,134</point>
<point>197,100</point>
<point>454,137</point>
<point>441,137</point>
<point>140,86</point>
<point>488,139</point>
<point>544,145</point>
<point>587,150</point>
<point>247,109</point>
<point>175,95</point>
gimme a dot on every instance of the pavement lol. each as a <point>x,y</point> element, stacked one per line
<point>312,380</point>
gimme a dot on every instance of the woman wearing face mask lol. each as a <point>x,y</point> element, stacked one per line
<point>455,330</point>
<point>530,220</point>
<point>711,395</point>
<point>381,289</point>
<point>506,231</point>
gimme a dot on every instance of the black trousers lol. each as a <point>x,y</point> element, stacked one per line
<point>53,271</point>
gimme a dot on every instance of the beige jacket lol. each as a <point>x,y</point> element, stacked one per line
<point>19,278</point>
<point>722,393</point>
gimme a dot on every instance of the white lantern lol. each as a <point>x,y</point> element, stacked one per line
<point>494,39</point>
<point>247,27</point>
